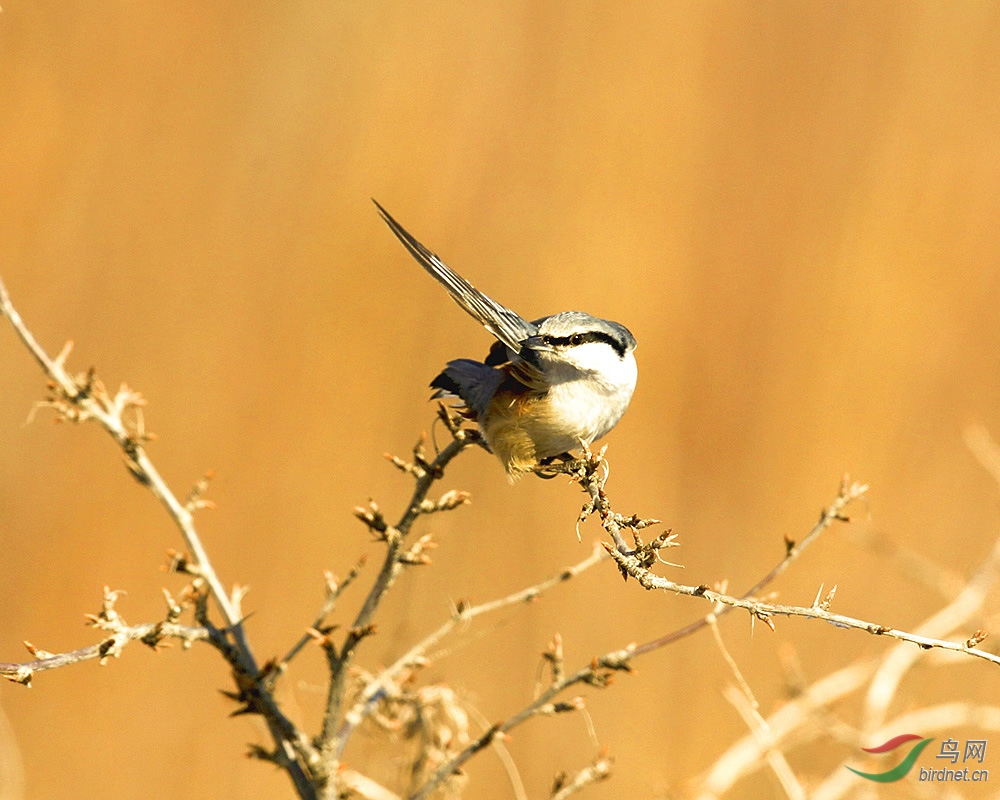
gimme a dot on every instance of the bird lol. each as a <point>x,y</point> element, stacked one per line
<point>546,387</point>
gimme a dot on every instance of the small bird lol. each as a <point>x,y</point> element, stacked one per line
<point>547,386</point>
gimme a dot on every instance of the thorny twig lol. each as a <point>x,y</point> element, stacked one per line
<point>426,473</point>
<point>847,493</point>
<point>591,471</point>
<point>154,635</point>
<point>765,612</point>
<point>637,563</point>
<point>797,717</point>
<point>82,397</point>
<point>415,656</point>
<point>599,674</point>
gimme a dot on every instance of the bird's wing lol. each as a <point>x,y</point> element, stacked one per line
<point>499,320</point>
<point>521,368</point>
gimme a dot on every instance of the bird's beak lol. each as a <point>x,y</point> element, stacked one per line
<point>535,343</point>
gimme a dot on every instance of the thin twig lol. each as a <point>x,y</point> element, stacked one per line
<point>765,612</point>
<point>880,679</point>
<point>847,493</point>
<point>568,785</point>
<point>426,474</point>
<point>742,698</point>
<point>108,413</point>
<point>365,703</point>
<point>335,588</point>
<point>153,633</point>
<point>598,674</point>
<point>84,397</point>
<point>762,611</point>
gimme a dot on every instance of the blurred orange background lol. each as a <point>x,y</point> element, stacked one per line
<point>793,206</point>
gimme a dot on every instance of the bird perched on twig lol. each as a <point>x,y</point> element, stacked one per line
<point>547,386</point>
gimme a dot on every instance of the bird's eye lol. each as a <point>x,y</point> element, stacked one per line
<point>575,339</point>
<point>546,339</point>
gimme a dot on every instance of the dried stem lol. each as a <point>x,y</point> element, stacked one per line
<point>153,634</point>
<point>85,398</point>
<point>413,657</point>
<point>798,716</point>
<point>426,474</point>
<point>742,698</point>
<point>567,785</point>
<point>599,673</point>
<point>765,612</point>
<point>78,398</point>
<point>835,512</point>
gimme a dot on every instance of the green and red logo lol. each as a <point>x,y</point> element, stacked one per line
<point>904,766</point>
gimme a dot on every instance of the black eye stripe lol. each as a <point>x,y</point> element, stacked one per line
<point>585,338</point>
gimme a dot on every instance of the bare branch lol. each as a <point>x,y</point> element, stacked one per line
<point>415,655</point>
<point>807,714</point>
<point>153,634</point>
<point>742,699</point>
<point>847,493</point>
<point>426,473</point>
<point>566,785</point>
<point>84,397</point>
<point>334,588</point>
<point>765,612</point>
<point>599,674</point>
<point>637,565</point>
